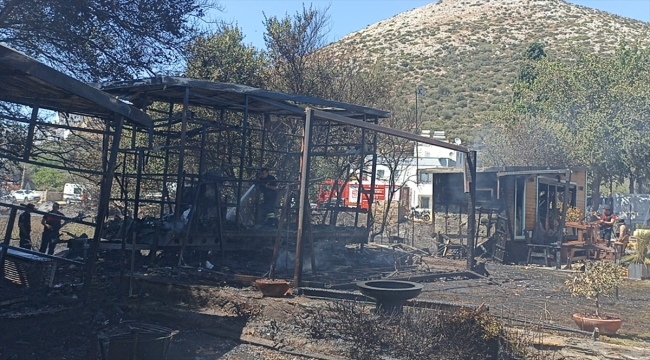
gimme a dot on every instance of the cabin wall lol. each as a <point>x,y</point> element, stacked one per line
<point>580,178</point>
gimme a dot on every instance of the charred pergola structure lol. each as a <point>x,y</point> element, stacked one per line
<point>209,141</point>
<point>180,157</point>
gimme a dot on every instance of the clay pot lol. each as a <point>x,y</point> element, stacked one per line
<point>273,288</point>
<point>607,326</point>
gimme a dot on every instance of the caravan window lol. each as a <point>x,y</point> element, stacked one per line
<point>77,190</point>
<point>425,202</point>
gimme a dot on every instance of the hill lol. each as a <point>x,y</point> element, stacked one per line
<point>466,53</point>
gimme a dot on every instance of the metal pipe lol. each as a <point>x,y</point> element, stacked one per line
<point>302,201</point>
<point>197,193</point>
<point>362,164</point>
<point>373,180</point>
<point>242,155</point>
<point>565,204</point>
<point>136,209</point>
<point>7,240</point>
<point>181,156</point>
<point>471,212</point>
<point>75,220</point>
<point>50,165</point>
<point>102,208</point>
<point>319,114</point>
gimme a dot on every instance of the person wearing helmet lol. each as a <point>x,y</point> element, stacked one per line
<point>606,224</point>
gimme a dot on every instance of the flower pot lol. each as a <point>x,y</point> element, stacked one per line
<point>606,326</point>
<point>638,271</point>
<point>273,288</point>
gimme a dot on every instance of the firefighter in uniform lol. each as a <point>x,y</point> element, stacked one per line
<point>51,226</point>
<point>269,187</point>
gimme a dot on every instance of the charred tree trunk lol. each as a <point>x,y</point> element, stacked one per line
<point>639,186</point>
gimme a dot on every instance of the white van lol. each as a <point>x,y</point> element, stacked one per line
<point>74,193</point>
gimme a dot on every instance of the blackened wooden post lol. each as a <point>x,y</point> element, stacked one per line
<point>303,198</point>
<point>7,240</point>
<point>104,197</point>
<point>471,212</point>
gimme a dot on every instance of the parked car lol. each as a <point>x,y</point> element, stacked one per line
<point>25,195</point>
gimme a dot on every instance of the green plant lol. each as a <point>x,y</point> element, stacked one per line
<point>642,247</point>
<point>600,278</point>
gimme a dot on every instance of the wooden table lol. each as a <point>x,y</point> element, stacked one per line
<point>580,250</point>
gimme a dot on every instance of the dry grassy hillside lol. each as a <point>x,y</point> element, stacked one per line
<point>466,53</point>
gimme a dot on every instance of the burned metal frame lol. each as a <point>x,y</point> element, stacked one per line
<point>215,137</point>
<point>312,118</point>
<point>200,144</point>
<point>26,83</point>
<point>227,132</point>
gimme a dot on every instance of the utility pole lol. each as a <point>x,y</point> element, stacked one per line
<point>419,91</point>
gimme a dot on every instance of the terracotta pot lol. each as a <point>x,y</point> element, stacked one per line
<point>273,288</point>
<point>605,326</point>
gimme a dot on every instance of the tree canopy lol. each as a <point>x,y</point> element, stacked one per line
<point>102,39</point>
<point>591,111</point>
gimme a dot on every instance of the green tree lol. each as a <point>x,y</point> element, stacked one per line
<point>592,111</point>
<point>223,57</point>
<point>101,39</point>
<point>45,178</point>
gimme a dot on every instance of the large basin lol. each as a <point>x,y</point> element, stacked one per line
<point>390,295</point>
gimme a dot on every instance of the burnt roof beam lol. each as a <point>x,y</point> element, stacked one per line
<point>319,114</point>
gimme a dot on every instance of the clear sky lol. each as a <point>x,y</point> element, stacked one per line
<point>352,15</point>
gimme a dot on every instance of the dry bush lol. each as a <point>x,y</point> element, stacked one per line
<point>418,334</point>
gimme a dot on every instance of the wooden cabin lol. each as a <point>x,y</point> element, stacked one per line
<point>531,198</point>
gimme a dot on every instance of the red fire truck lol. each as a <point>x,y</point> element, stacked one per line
<point>329,191</point>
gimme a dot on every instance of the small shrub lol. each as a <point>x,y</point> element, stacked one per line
<point>600,278</point>
<point>417,334</point>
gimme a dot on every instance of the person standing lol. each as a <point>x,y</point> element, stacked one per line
<point>606,224</point>
<point>51,226</point>
<point>25,227</point>
<point>269,188</point>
